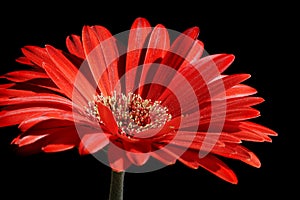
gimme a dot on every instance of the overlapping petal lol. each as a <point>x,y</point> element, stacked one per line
<point>70,99</point>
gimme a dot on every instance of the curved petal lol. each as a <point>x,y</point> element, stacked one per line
<point>218,168</point>
<point>37,55</point>
<point>117,158</point>
<point>11,93</point>
<point>173,59</point>
<point>137,43</point>
<point>158,45</point>
<point>70,72</point>
<point>239,90</point>
<point>92,142</point>
<point>41,100</point>
<point>25,61</point>
<point>107,118</point>
<point>14,117</point>
<point>51,148</point>
<point>65,86</point>
<point>102,55</point>
<point>74,46</point>
<point>137,153</point>
<point>23,75</point>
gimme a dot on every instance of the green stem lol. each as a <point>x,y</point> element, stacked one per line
<point>116,185</point>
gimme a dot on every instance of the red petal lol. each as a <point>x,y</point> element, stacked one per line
<point>195,53</point>
<point>93,142</point>
<point>211,67</point>
<point>173,59</point>
<point>243,154</point>
<point>70,72</point>
<point>164,157</point>
<point>117,158</point>
<point>238,114</point>
<point>7,85</point>
<point>158,45</point>
<point>111,54</point>
<point>199,77</point>
<point>24,75</point>
<point>137,42</point>
<point>257,128</point>
<point>41,100</point>
<point>102,55</point>
<point>218,168</point>
<point>248,136</point>
<point>190,158</point>
<point>10,93</point>
<point>248,132</point>
<point>253,161</point>
<point>74,46</point>
<point>24,61</point>
<point>244,102</point>
<point>218,86</point>
<point>203,71</point>
<point>54,118</point>
<point>51,148</point>
<point>138,159</point>
<point>29,139</point>
<point>37,55</point>
<point>137,153</point>
<point>241,114</point>
<point>239,90</point>
<point>64,85</point>
<point>13,117</point>
<point>56,139</point>
<point>218,61</point>
<point>166,154</point>
<point>107,118</point>
<point>139,32</point>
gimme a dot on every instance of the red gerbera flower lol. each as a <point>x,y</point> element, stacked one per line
<point>143,98</point>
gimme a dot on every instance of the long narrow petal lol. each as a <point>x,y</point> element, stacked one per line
<point>173,59</point>
<point>75,46</point>
<point>218,168</point>
<point>107,118</point>
<point>24,75</point>
<point>64,85</point>
<point>29,139</point>
<point>117,158</point>
<point>137,43</point>
<point>257,128</point>
<point>10,93</point>
<point>102,55</point>
<point>25,61</point>
<point>219,86</point>
<point>13,117</point>
<point>41,100</point>
<point>194,54</point>
<point>92,142</point>
<point>56,143</point>
<point>51,142</point>
<point>51,148</point>
<point>158,45</point>
<point>137,153</point>
<point>55,118</point>
<point>70,72</point>
<point>239,90</point>
<point>37,55</point>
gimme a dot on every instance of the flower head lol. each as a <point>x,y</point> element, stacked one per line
<point>137,96</point>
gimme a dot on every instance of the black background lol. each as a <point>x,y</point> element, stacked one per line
<point>261,38</point>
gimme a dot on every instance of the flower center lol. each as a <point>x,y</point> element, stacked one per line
<point>132,113</point>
